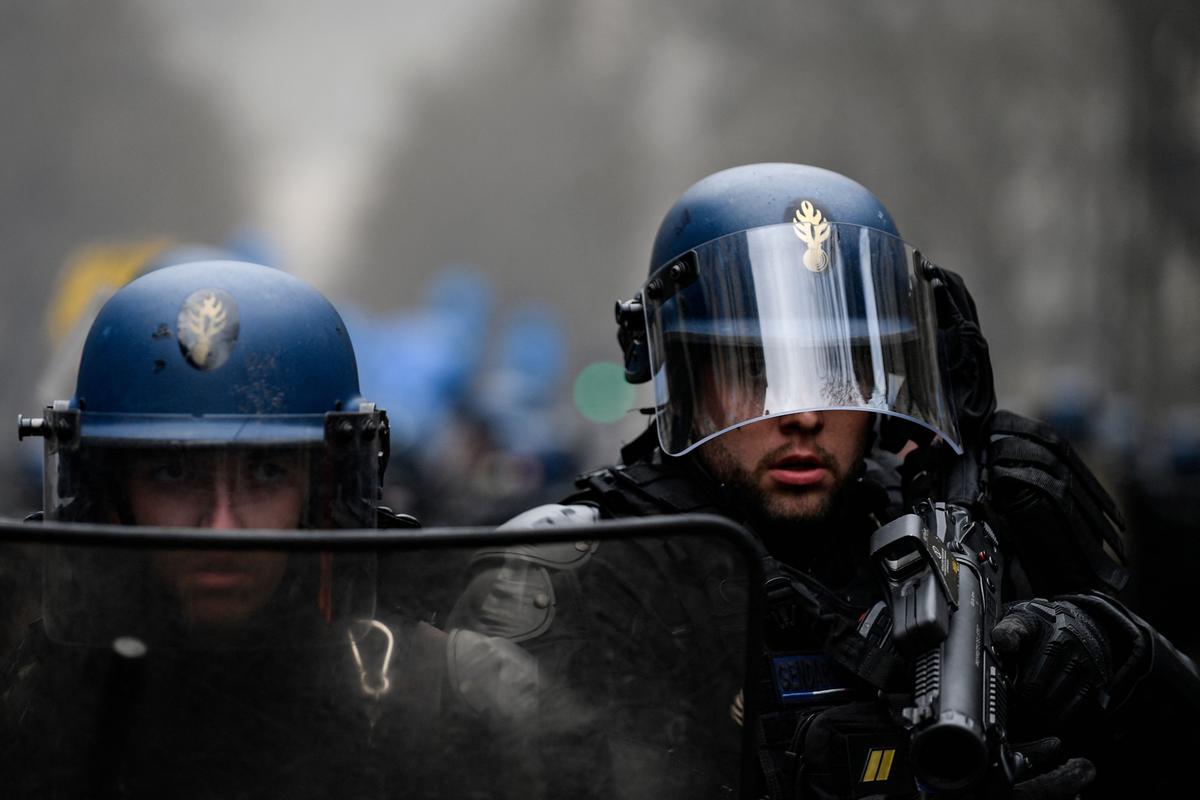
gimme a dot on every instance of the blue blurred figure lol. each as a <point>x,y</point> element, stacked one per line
<point>423,361</point>
<point>470,435</point>
<point>518,404</point>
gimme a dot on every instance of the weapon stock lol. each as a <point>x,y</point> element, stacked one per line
<point>942,572</point>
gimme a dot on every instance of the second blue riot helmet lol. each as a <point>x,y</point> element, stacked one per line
<point>212,395</point>
<point>215,366</point>
<point>781,288</point>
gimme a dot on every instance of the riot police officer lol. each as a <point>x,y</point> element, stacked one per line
<point>797,344</point>
<point>223,396</point>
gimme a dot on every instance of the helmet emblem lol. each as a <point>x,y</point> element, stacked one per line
<point>812,229</point>
<point>207,328</point>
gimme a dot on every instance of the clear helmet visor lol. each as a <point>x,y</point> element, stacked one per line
<point>258,471</point>
<point>789,318</point>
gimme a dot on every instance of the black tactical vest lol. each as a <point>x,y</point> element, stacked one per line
<point>827,656</point>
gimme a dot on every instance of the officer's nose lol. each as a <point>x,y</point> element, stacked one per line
<point>223,513</point>
<point>806,422</point>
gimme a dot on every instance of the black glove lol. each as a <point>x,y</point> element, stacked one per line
<point>1045,777</point>
<point>1033,771</point>
<point>1059,659</point>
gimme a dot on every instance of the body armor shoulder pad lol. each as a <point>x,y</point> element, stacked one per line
<point>553,514</point>
<point>511,591</point>
<point>509,595</point>
<point>553,555</point>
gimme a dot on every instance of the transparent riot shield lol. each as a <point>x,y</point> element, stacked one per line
<point>605,661</point>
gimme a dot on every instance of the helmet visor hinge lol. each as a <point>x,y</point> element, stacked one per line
<point>30,426</point>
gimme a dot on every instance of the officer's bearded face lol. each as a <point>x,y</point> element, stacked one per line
<point>789,470</point>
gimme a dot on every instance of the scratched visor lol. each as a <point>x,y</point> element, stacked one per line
<point>789,318</point>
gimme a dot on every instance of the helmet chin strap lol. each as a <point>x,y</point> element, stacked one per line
<point>644,447</point>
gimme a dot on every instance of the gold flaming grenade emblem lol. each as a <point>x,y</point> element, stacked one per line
<point>812,228</point>
<point>207,328</point>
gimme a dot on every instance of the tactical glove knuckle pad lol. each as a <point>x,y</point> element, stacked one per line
<point>1066,661</point>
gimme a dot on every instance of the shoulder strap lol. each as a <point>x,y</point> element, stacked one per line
<point>1019,433</point>
<point>855,640</point>
<point>643,489</point>
<point>1065,526</point>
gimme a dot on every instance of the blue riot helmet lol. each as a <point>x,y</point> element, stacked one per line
<point>781,288</point>
<point>213,394</point>
<point>215,367</point>
<point>88,279</point>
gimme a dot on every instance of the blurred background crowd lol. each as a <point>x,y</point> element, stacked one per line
<point>474,184</point>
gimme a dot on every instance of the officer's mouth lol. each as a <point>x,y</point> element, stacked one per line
<point>217,581</point>
<point>216,574</point>
<point>800,470</point>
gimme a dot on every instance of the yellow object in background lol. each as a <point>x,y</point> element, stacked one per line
<point>95,272</point>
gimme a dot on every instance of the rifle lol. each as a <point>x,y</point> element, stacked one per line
<point>942,572</point>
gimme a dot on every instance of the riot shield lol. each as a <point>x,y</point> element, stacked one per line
<point>600,661</point>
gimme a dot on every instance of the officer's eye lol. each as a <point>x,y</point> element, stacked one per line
<point>756,369</point>
<point>267,472</point>
<point>167,472</point>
